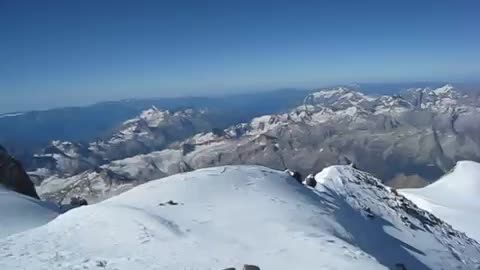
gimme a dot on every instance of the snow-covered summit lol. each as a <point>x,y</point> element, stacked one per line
<point>454,197</point>
<point>154,117</point>
<point>339,98</point>
<point>229,216</point>
<point>444,90</point>
<point>445,99</point>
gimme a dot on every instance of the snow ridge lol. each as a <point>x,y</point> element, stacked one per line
<point>228,216</point>
<point>454,197</point>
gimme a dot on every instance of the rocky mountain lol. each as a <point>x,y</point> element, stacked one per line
<point>408,139</point>
<point>14,177</point>
<point>26,133</point>
<point>229,216</point>
<point>152,130</point>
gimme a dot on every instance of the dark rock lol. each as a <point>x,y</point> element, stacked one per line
<point>78,201</point>
<point>170,202</point>
<point>218,132</point>
<point>400,266</point>
<point>231,268</point>
<point>14,177</point>
<point>187,148</point>
<point>369,213</point>
<point>102,264</point>
<point>295,175</point>
<point>310,181</point>
<point>250,267</point>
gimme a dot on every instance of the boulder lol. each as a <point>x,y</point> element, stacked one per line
<point>310,181</point>
<point>78,201</point>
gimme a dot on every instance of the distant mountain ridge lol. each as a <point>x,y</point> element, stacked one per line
<point>25,133</point>
<point>406,139</point>
<point>152,130</point>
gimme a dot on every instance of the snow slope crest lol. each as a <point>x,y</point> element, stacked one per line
<point>454,197</point>
<point>400,217</point>
<point>227,216</point>
<point>464,179</point>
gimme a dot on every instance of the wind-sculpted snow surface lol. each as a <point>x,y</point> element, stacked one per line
<point>454,198</point>
<point>19,213</point>
<point>229,216</point>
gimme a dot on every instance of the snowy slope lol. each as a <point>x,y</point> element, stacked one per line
<point>19,213</point>
<point>453,198</point>
<point>228,216</point>
<point>399,230</point>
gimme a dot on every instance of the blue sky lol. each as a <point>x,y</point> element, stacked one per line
<point>58,53</point>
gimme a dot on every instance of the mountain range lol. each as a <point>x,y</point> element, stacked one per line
<point>408,139</point>
<point>228,216</point>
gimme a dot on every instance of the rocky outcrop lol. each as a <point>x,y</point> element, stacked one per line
<point>14,177</point>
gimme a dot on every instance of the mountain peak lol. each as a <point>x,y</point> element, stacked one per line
<point>448,88</point>
<point>154,116</point>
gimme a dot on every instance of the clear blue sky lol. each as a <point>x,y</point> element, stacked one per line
<point>56,53</point>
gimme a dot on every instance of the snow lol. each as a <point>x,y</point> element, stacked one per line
<point>429,243</point>
<point>204,138</point>
<point>226,217</point>
<point>453,198</point>
<point>341,93</point>
<point>19,213</point>
<point>350,111</point>
<point>265,123</point>
<point>154,117</point>
<point>10,115</point>
<point>444,89</point>
<point>229,216</point>
<point>329,92</point>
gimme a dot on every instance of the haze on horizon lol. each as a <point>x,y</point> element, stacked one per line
<point>62,53</point>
